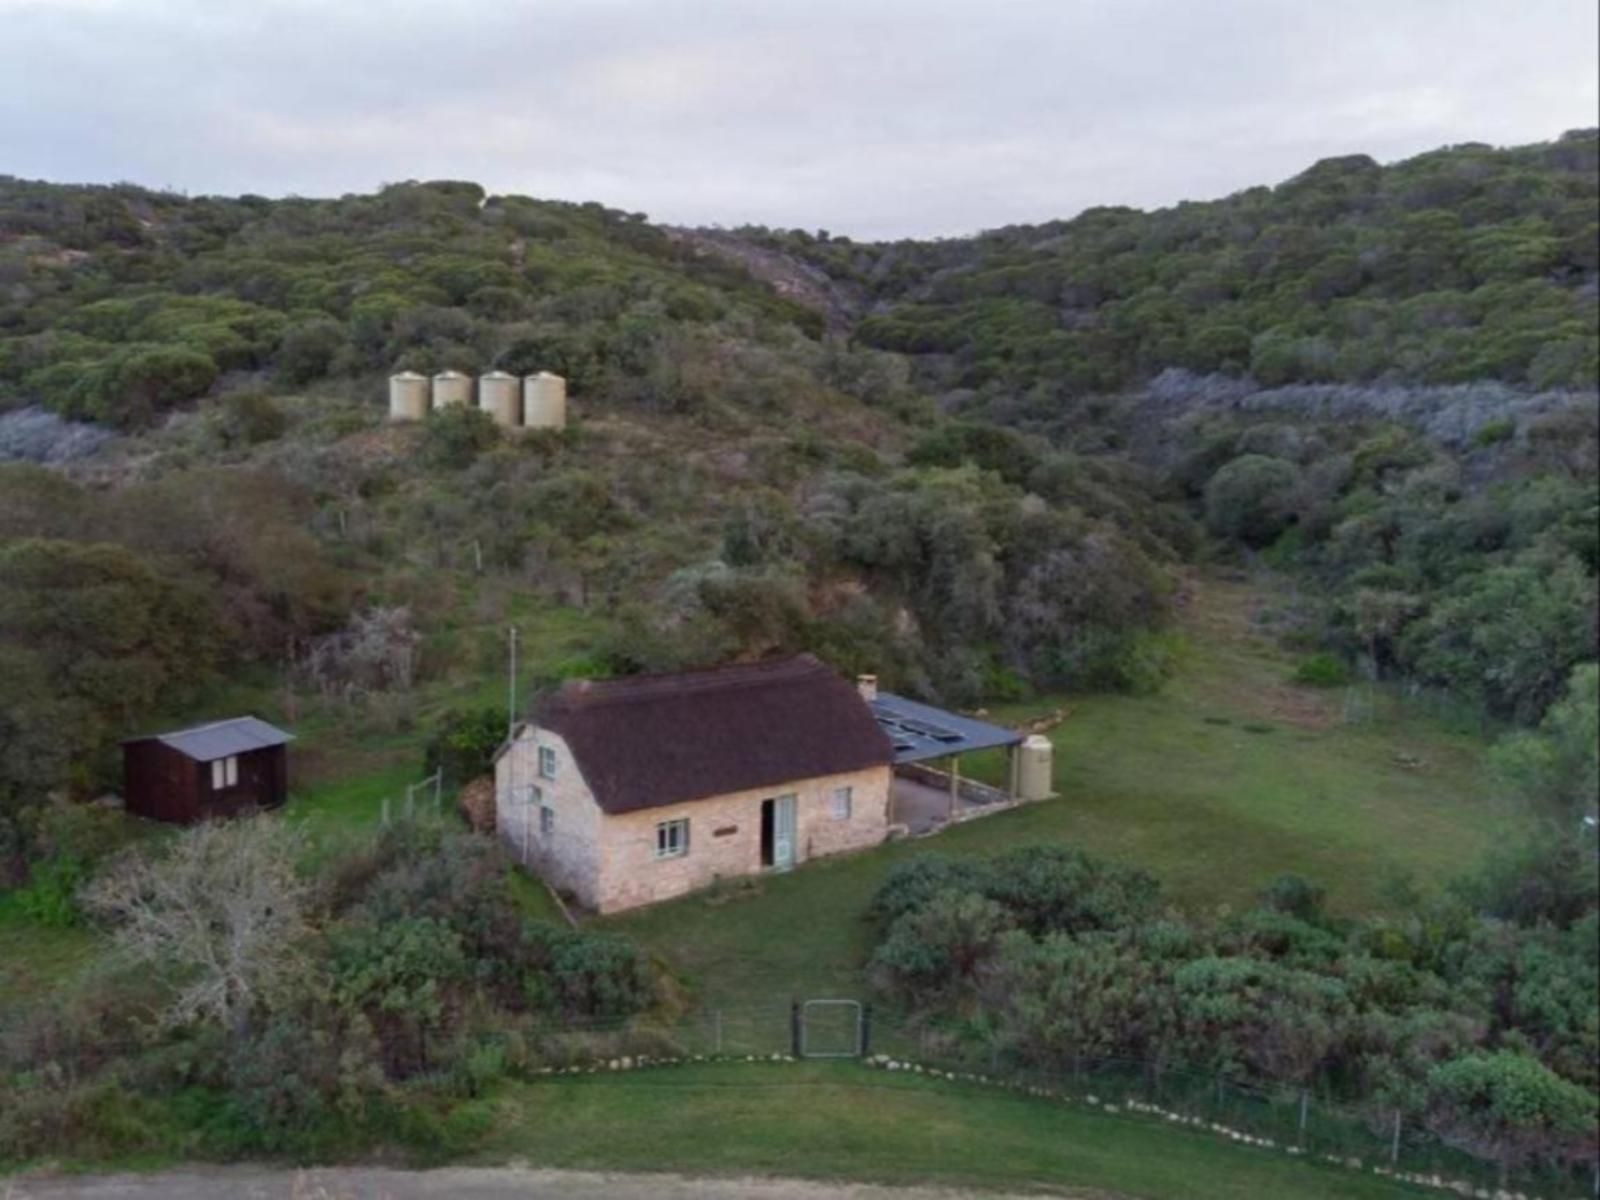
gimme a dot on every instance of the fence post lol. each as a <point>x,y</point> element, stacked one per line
<point>795,1036</point>
<point>386,810</point>
<point>1305,1100</point>
<point>719,1030</point>
<point>1394,1144</point>
<point>866,1030</point>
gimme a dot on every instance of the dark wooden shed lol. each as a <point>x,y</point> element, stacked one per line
<point>213,770</point>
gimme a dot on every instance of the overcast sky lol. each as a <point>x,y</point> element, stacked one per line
<point>876,118</point>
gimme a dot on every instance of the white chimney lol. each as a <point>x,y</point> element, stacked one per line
<point>867,685</point>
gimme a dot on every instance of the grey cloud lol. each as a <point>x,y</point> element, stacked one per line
<point>877,119</point>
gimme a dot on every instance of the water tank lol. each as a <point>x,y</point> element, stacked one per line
<point>451,387</point>
<point>1035,768</point>
<point>500,395</point>
<point>544,401</point>
<point>408,396</point>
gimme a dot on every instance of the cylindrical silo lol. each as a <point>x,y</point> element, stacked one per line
<point>451,387</point>
<point>1035,768</point>
<point>544,401</point>
<point>500,395</point>
<point>408,396</point>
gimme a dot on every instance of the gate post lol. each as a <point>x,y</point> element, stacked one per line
<point>795,1036</point>
<point>866,1031</point>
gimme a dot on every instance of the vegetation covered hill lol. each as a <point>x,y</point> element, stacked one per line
<point>1466,263</point>
<point>975,467</point>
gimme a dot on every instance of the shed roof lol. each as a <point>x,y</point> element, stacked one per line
<point>652,740</point>
<point>220,739</point>
<point>920,731</point>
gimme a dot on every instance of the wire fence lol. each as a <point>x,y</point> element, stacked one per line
<point>1372,1137</point>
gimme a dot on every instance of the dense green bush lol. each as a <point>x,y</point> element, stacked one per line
<point>1483,1029</point>
<point>1251,499</point>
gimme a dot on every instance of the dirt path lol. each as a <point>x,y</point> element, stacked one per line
<point>465,1183</point>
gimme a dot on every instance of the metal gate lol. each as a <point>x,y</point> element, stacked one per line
<point>830,1029</point>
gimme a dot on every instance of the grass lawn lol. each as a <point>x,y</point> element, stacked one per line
<point>1228,777</point>
<point>846,1121</point>
<point>36,957</point>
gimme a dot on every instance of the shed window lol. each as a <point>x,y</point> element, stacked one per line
<point>547,821</point>
<point>672,838</point>
<point>224,772</point>
<point>547,763</point>
<point>842,797</point>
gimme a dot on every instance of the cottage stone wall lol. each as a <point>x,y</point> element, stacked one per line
<point>725,836</point>
<point>569,856</point>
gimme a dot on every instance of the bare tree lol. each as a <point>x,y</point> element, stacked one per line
<point>224,908</point>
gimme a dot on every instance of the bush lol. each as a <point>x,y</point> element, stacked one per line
<point>589,974</point>
<point>453,437</point>
<point>939,947</point>
<point>913,882</point>
<point>1322,670</point>
<point>309,349</point>
<point>1250,499</point>
<point>51,895</point>
<point>248,418</point>
<point>463,744</point>
<point>1053,889</point>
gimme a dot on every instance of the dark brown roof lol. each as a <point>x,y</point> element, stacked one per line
<point>651,740</point>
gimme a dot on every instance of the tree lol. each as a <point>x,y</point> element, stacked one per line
<point>308,350</point>
<point>224,908</point>
<point>1510,1107</point>
<point>1250,499</point>
<point>1558,767</point>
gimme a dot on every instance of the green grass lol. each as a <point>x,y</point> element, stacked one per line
<point>1176,783</point>
<point>847,1121</point>
<point>35,957</point>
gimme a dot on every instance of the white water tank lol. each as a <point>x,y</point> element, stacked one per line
<point>544,401</point>
<point>451,387</point>
<point>500,395</point>
<point>1035,768</point>
<point>408,396</point>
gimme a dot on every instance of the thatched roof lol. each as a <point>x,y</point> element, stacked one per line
<point>653,740</point>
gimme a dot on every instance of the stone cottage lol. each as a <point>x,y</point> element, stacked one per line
<point>629,791</point>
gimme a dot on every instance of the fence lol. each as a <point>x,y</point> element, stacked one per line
<point>1373,1138</point>
<point>1369,1138</point>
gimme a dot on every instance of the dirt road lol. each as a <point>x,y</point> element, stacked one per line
<point>451,1183</point>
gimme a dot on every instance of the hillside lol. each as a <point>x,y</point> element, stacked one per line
<point>1286,502</point>
<point>1467,263</point>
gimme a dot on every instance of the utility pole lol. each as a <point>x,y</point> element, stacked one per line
<point>511,689</point>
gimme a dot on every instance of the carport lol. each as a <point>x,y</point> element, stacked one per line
<point>928,789</point>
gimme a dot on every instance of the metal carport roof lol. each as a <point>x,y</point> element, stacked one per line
<point>921,731</point>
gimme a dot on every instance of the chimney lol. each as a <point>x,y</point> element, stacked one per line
<point>867,685</point>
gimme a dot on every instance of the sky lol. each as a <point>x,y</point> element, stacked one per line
<point>873,118</point>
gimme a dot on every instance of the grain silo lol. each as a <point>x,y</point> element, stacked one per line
<point>544,401</point>
<point>408,396</point>
<point>1035,768</point>
<point>500,395</point>
<point>450,388</point>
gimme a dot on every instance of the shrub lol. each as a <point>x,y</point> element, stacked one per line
<point>1250,499</point>
<point>249,417</point>
<point>589,974</point>
<point>938,948</point>
<point>453,437</point>
<point>463,744</point>
<point>912,883</point>
<point>1322,670</point>
<point>308,350</point>
<point>1053,889</point>
<point>51,895</point>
